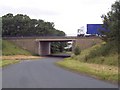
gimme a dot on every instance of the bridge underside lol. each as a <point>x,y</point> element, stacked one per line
<point>44,47</point>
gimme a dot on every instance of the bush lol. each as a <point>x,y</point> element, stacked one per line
<point>77,50</point>
<point>104,50</point>
<point>105,54</point>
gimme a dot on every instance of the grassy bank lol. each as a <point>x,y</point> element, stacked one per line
<point>9,48</point>
<point>99,54</point>
<point>93,63</point>
<point>103,72</point>
<point>4,63</point>
<point>12,54</point>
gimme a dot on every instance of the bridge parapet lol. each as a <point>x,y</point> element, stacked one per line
<point>51,37</point>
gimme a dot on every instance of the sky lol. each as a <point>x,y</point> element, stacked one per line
<point>67,15</point>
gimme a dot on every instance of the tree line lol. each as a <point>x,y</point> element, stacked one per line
<point>23,25</point>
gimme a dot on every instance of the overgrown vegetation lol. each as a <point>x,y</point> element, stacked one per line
<point>104,50</point>
<point>77,50</point>
<point>8,48</point>
<point>105,54</point>
<point>95,55</point>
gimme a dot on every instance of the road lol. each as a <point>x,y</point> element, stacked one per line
<point>44,73</point>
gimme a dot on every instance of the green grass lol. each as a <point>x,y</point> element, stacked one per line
<point>111,60</point>
<point>94,55</point>
<point>84,53</point>
<point>4,63</point>
<point>103,72</point>
<point>8,48</point>
<point>92,62</point>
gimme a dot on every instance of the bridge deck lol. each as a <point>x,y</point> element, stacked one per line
<point>52,37</point>
<point>55,40</point>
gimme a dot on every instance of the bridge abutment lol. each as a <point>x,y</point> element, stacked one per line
<point>44,48</point>
<point>42,45</point>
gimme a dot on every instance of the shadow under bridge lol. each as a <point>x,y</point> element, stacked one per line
<point>44,46</point>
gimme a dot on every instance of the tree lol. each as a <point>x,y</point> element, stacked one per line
<point>22,25</point>
<point>112,23</point>
<point>8,24</point>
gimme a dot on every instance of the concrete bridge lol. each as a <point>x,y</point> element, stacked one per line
<point>42,45</point>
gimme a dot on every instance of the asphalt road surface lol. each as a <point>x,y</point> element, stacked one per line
<point>44,73</point>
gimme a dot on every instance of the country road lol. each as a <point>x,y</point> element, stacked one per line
<point>44,73</point>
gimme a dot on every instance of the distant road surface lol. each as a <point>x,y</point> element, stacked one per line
<point>44,73</point>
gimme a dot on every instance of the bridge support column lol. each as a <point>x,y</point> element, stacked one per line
<point>44,48</point>
<point>73,45</point>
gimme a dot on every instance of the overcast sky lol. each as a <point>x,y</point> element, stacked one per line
<point>67,15</point>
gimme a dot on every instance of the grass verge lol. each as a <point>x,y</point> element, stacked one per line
<point>9,48</point>
<point>94,55</point>
<point>4,63</point>
<point>20,57</point>
<point>8,60</point>
<point>13,54</point>
<point>104,72</point>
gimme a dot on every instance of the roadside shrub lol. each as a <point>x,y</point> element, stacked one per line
<point>105,54</point>
<point>104,50</point>
<point>77,50</point>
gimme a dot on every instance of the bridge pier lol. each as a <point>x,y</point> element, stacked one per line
<point>44,48</point>
<point>73,45</point>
